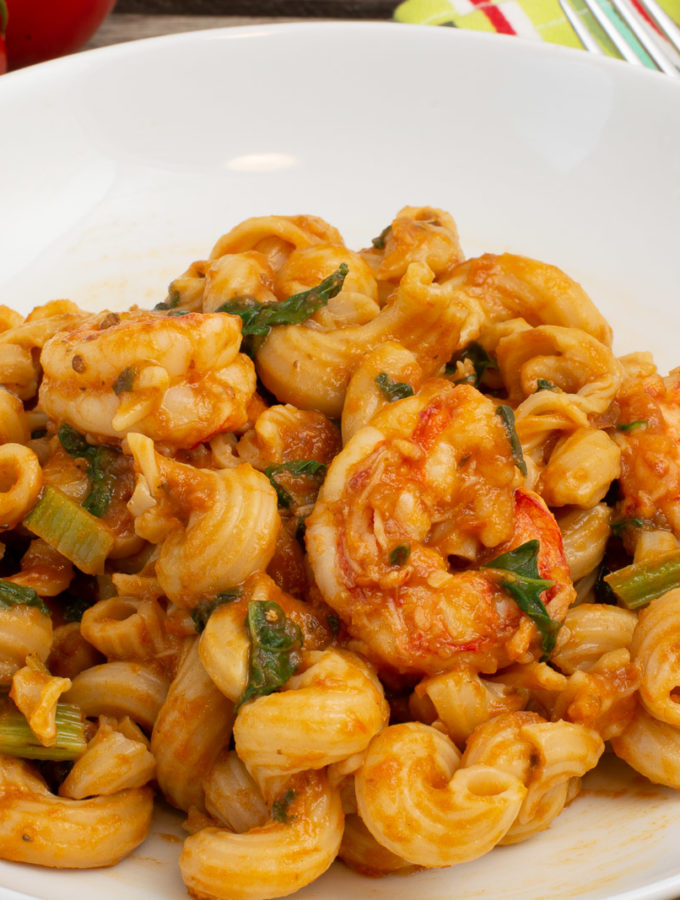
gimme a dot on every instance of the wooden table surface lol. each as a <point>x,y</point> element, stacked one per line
<point>121,27</point>
<point>343,9</point>
<point>135,19</point>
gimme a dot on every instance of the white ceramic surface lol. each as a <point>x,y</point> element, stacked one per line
<point>122,165</point>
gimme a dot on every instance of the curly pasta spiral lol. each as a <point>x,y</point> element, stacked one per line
<point>418,802</point>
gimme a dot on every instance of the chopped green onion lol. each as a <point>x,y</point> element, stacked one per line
<point>17,738</point>
<point>638,584</point>
<point>19,595</point>
<point>275,643</point>
<point>393,390</point>
<point>71,530</point>
<point>525,586</point>
<point>508,419</point>
<point>542,384</point>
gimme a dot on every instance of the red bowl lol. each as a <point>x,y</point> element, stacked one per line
<point>38,30</point>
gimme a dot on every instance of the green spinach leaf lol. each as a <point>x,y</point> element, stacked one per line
<point>123,384</point>
<point>19,595</point>
<point>275,644</point>
<point>521,580</point>
<point>258,319</point>
<point>393,390</point>
<point>310,467</point>
<point>619,526</point>
<point>100,464</point>
<point>480,359</point>
<point>172,300</point>
<point>280,807</point>
<point>400,554</point>
<point>379,242</point>
<point>508,418</point>
<point>632,426</point>
<point>202,612</point>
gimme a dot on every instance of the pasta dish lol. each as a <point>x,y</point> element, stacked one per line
<point>367,555</point>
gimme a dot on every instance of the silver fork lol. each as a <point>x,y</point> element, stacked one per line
<point>664,52</point>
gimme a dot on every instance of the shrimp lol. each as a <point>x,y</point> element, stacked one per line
<point>648,433</point>
<point>431,477</point>
<point>22,340</point>
<point>176,379</point>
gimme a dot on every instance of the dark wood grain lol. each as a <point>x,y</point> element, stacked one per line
<point>122,27</point>
<point>337,9</point>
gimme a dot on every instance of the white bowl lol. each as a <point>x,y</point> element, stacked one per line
<point>120,166</point>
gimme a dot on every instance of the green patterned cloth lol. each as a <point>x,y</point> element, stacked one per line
<point>541,19</point>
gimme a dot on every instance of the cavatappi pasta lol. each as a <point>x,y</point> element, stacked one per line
<point>365,555</point>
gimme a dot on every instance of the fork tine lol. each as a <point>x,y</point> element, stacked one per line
<point>664,21</point>
<point>632,19</point>
<point>613,33</point>
<point>582,33</point>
